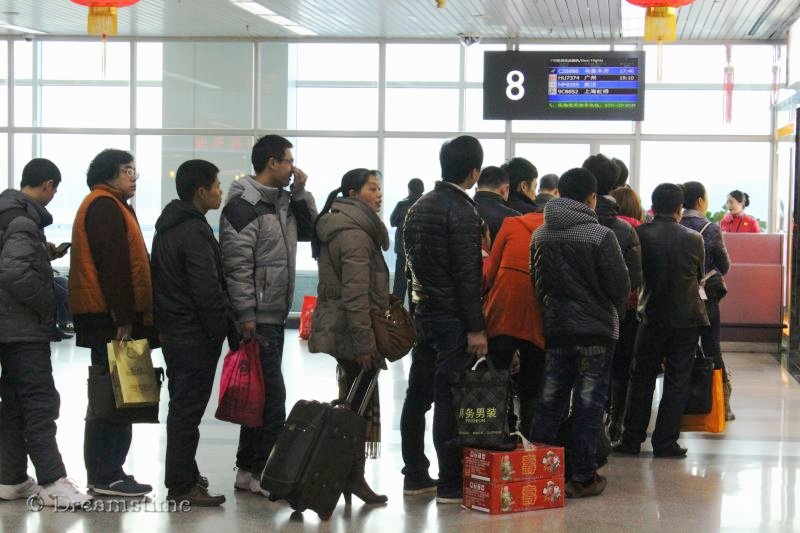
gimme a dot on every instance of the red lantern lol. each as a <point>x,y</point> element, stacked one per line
<point>103,15</point>
<point>661,19</point>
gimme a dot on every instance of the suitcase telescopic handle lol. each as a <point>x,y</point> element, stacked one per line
<point>351,395</point>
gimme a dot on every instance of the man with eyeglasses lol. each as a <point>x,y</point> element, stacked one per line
<point>111,298</point>
<point>259,229</point>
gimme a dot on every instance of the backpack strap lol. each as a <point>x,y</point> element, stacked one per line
<point>705,227</point>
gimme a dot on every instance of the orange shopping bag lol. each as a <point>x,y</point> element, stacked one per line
<point>713,422</point>
<point>309,304</point>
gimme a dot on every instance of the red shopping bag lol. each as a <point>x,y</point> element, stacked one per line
<point>241,389</point>
<point>306,313</point>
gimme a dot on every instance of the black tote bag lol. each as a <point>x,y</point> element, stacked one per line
<point>482,398</point>
<point>103,407</point>
<point>700,399</point>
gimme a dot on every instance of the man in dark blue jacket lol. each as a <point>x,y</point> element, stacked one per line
<point>442,237</point>
<point>397,219</point>
<point>193,316</point>
<point>581,279</point>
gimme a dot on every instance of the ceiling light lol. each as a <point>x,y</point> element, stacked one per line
<point>253,7</point>
<point>279,20</point>
<point>21,29</point>
<point>632,19</point>
<point>299,30</point>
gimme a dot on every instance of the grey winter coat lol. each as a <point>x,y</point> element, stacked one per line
<point>27,300</point>
<point>259,230</point>
<point>353,279</point>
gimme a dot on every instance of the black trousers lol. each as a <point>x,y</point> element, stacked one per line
<point>400,287</point>
<point>190,372</point>
<point>621,367</point>
<point>419,400</point>
<point>530,379</point>
<point>28,413</point>
<point>255,444</point>
<point>105,444</point>
<point>653,344</point>
<point>710,336</point>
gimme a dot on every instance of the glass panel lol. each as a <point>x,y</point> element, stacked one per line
<point>553,158</point>
<point>422,62</point>
<point>718,165</point>
<point>84,61</point>
<point>706,64</point>
<point>474,117</point>
<point>422,109</point>
<point>572,126</point>
<point>158,158</point>
<point>494,152</point>
<point>72,154</point>
<point>700,112</point>
<point>474,60</point>
<point>85,107</point>
<point>3,84</point>
<point>204,85</point>
<point>322,108</point>
<point>784,183</point>
<point>620,151</point>
<point>23,60</point>
<point>149,62</point>
<point>4,181</point>
<point>23,106</point>
<point>337,62</point>
<point>277,91</point>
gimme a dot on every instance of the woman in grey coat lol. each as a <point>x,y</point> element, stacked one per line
<point>353,279</point>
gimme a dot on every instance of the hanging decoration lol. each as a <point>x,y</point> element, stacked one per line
<point>727,86</point>
<point>776,75</point>
<point>660,22</point>
<point>102,19</point>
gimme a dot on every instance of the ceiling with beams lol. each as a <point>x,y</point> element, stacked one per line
<point>407,19</point>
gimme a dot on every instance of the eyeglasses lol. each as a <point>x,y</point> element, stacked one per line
<point>280,160</point>
<point>130,172</point>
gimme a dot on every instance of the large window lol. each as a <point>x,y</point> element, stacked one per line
<point>211,99</point>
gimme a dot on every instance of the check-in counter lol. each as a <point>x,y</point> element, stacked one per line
<point>753,308</point>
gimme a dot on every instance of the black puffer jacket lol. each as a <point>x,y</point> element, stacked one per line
<point>27,300</point>
<point>523,204</point>
<point>190,299</point>
<point>580,276</point>
<point>493,210</point>
<point>607,211</point>
<point>672,263</point>
<point>442,237</point>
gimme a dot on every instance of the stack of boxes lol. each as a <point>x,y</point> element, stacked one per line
<point>513,481</point>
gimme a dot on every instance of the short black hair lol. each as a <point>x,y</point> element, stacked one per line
<point>266,147</point>
<point>493,177</point>
<point>105,166</point>
<point>548,182</point>
<point>192,175</point>
<point>416,187</point>
<point>623,172</point>
<point>39,171</point>
<point>520,169</point>
<point>604,170</point>
<point>667,199</point>
<point>577,184</point>
<point>460,156</point>
<point>692,191</point>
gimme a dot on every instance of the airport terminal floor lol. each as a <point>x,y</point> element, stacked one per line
<point>742,480</point>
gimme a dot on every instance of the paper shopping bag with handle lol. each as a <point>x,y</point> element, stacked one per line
<point>132,375</point>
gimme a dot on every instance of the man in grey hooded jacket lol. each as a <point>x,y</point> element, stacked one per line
<point>259,229</point>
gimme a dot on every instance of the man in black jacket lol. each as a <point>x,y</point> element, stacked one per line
<point>491,196</point>
<point>397,218</point>
<point>671,312</point>
<point>522,176</point>
<point>193,316</point>
<point>442,238</point>
<point>581,279</point>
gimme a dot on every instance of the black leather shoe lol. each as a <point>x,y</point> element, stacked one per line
<point>673,451</point>
<point>626,448</point>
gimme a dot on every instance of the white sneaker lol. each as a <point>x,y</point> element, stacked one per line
<point>255,487</point>
<point>19,491</point>
<point>63,493</point>
<point>244,480</point>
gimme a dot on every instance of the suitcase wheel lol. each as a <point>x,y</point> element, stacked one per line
<point>272,498</point>
<point>324,516</point>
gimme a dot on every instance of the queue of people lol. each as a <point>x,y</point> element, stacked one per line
<point>567,286</point>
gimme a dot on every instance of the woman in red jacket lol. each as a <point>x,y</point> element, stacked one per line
<point>513,315</point>
<point>737,221</point>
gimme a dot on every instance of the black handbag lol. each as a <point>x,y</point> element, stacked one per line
<point>700,399</point>
<point>482,399</point>
<point>103,407</point>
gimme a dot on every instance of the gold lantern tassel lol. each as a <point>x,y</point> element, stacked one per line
<point>660,24</point>
<point>102,21</point>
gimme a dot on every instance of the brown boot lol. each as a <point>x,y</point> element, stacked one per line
<point>727,388</point>
<point>198,496</point>
<point>356,484</point>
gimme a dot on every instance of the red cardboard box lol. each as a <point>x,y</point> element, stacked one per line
<point>541,462</point>
<point>514,497</point>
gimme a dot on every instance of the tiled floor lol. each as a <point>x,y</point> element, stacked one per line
<point>744,480</point>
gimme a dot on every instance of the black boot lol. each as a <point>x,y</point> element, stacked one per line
<point>356,484</point>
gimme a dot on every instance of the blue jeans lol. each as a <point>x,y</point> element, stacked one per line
<point>588,369</point>
<point>446,335</point>
<point>255,444</point>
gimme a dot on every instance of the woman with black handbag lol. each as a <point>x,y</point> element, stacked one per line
<point>353,282</point>
<point>695,203</point>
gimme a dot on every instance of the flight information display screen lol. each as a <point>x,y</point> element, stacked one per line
<point>564,85</point>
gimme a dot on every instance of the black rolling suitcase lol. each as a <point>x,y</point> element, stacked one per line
<point>309,465</point>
